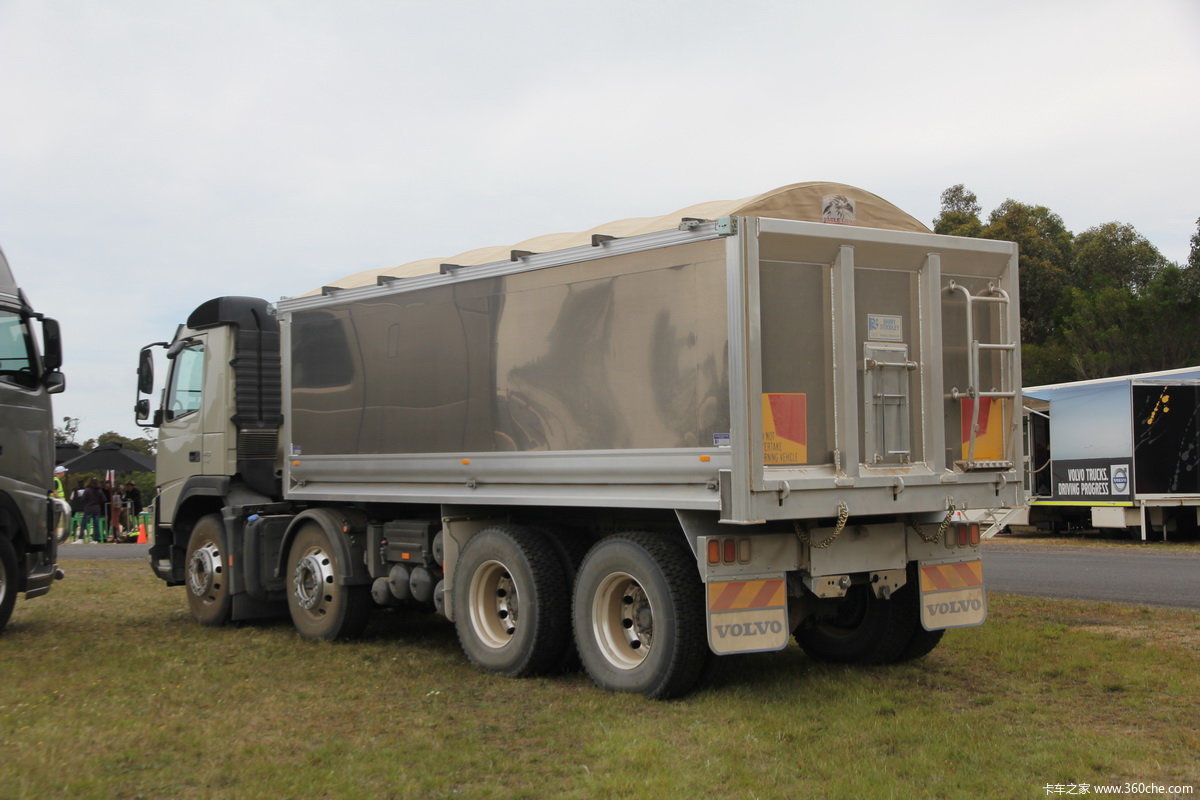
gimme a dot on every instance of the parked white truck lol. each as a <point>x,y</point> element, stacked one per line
<point>646,443</point>
<point>28,547</point>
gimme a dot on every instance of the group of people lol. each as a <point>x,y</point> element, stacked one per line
<point>109,510</point>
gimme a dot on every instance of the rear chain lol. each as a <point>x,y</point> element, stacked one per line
<point>805,538</point>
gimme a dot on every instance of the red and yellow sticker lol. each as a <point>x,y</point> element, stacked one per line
<point>942,577</point>
<point>989,429</point>
<point>785,428</point>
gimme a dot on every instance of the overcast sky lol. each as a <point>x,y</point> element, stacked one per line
<point>157,154</point>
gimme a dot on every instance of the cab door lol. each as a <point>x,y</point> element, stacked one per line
<point>181,435</point>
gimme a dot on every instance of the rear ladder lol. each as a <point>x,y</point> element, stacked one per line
<point>1006,347</point>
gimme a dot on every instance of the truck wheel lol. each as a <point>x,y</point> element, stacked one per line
<point>8,580</point>
<point>511,606</point>
<point>207,582</point>
<point>639,616</point>
<point>922,642</point>
<point>864,630</point>
<point>321,608</point>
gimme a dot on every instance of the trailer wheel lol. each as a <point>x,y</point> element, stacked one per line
<point>8,580</point>
<point>639,616</point>
<point>864,630</point>
<point>207,580</point>
<point>321,608</point>
<point>511,606</point>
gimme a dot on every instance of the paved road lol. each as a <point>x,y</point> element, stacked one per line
<point>1120,574</point>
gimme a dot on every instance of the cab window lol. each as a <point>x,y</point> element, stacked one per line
<point>18,364</point>
<point>187,382</point>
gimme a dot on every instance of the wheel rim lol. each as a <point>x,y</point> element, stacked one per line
<point>622,621</point>
<point>311,579</point>
<point>205,569</point>
<point>494,604</point>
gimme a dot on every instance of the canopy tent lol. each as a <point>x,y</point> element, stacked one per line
<point>810,202</point>
<point>111,456</point>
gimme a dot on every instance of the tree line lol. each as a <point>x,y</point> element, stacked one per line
<point>1095,304</point>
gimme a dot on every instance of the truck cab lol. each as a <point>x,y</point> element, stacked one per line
<point>27,379</point>
<point>217,435</point>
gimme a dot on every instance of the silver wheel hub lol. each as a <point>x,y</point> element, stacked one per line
<point>313,573</point>
<point>204,569</point>
<point>622,621</point>
<point>494,604</point>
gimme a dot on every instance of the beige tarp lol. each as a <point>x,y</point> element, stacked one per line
<point>813,202</point>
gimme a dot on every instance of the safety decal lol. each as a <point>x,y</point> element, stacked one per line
<point>989,430</point>
<point>943,577</point>
<point>738,595</point>
<point>785,428</point>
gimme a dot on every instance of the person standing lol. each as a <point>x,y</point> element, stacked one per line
<point>93,509</point>
<point>58,493</point>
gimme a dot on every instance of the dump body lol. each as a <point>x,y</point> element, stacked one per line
<point>28,547</point>
<point>767,374</point>
<point>1116,452</point>
<point>712,436</point>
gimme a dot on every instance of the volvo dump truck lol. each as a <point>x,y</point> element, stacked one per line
<point>638,446</point>
<point>28,547</point>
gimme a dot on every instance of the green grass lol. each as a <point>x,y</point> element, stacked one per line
<point>110,690</point>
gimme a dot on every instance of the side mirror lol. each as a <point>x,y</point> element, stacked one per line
<point>142,409</point>
<point>52,340</point>
<point>55,382</point>
<point>145,373</point>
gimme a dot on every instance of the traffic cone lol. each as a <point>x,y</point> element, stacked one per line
<point>142,534</point>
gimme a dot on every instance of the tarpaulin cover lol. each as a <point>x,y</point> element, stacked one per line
<point>811,202</point>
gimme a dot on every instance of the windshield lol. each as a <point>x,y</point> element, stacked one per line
<point>18,364</point>
<point>187,381</point>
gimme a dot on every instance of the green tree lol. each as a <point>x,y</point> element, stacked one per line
<point>69,431</point>
<point>960,213</point>
<point>1045,260</point>
<point>1114,255</point>
<point>1194,255</point>
<point>138,445</point>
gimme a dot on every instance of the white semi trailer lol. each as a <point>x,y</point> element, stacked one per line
<point>28,547</point>
<point>648,443</point>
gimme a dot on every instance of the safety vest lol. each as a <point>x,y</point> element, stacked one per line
<point>59,492</point>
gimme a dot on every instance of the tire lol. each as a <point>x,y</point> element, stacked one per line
<point>922,642</point>
<point>8,580</point>
<point>865,629</point>
<point>321,608</point>
<point>511,602</point>
<point>206,575</point>
<point>638,616</point>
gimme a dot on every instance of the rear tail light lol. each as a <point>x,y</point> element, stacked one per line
<point>962,534</point>
<point>728,551</point>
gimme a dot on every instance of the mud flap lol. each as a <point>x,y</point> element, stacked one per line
<point>952,595</point>
<point>747,616</point>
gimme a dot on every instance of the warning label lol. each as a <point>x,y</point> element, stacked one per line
<point>785,429</point>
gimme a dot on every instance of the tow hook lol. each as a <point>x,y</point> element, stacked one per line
<point>59,574</point>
